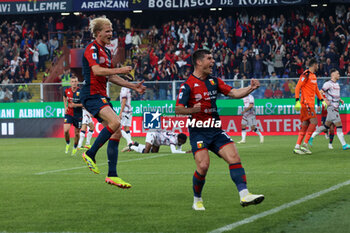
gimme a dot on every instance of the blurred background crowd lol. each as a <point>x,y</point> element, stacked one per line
<point>269,44</point>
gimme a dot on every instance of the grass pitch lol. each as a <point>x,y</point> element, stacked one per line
<point>44,190</point>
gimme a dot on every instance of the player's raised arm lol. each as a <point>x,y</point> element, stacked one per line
<point>138,87</point>
<point>243,92</point>
<point>102,71</point>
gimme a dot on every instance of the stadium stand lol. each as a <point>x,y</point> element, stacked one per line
<point>269,45</point>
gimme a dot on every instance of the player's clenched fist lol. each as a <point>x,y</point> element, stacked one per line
<point>124,70</point>
<point>254,83</point>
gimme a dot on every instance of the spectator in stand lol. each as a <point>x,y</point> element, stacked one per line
<point>245,67</point>
<point>136,40</point>
<point>43,53</point>
<point>2,95</point>
<point>23,92</point>
<point>60,29</point>
<point>268,92</point>
<point>149,93</point>
<point>327,67</point>
<point>8,95</point>
<point>277,93</point>
<point>273,78</point>
<point>286,89</point>
<point>257,66</point>
<point>128,44</point>
<point>53,45</point>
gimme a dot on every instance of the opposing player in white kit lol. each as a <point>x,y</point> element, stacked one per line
<point>87,121</point>
<point>126,115</point>
<point>249,119</point>
<point>157,138</point>
<point>331,89</point>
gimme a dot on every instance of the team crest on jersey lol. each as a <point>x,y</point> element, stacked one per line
<point>104,100</point>
<point>94,56</point>
<point>65,120</point>
<point>200,144</point>
<point>196,85</point>
<point>77,93</point>
<point>302,79</point>
<point>212,82</point>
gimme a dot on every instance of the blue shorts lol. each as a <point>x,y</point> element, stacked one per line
<point>94,103</point>
<point>323,119</point>
<point>212,140</point>
<point>75,121</point>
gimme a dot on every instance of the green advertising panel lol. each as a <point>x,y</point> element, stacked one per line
<point>166,107</point>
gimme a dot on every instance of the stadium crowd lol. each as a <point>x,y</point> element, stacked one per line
<point>245,44</point>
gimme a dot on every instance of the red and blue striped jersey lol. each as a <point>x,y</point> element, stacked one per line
<point>205,92</point>
<point>95,54</point>
<point>73,97</point>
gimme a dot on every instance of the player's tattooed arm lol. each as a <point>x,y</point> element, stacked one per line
<point>103,71</point>
<point>243,92</point>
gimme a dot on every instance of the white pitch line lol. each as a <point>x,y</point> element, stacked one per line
<point>102,164</point>
<point>280,208</point>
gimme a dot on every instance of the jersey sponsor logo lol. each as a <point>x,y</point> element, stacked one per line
<point>212,82</point>
<point>94,56</point>
<point>198,97</point>
<point>200,144</point>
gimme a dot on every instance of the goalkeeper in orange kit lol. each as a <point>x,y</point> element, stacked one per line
<point>307,85</point>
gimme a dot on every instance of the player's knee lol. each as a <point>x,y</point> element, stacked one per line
<point>114,125</point>
<point>203,167</point>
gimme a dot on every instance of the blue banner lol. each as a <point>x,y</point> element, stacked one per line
<point>34,7</point>
<point>195,4</point>
<point>96,5</point>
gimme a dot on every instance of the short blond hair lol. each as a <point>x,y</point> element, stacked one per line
<point>97,25</point>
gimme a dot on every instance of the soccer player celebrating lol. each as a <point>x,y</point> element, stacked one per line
<point>73,113</point>
<point>155,139</point>
<point>331,89</point>
<point>197,97</point>
<point>249,118</point>
<point>307,84</point>
<point>87,121</point>
<point>97,70</point>
<point>126,114</point>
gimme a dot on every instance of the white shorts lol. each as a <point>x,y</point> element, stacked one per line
<point>151,138</point>
<point>86,117</point>
<point>249,120</point>
<point>126,119</point>
<point>333,115</point>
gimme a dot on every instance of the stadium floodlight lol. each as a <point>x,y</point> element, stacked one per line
<point>314,5</point>
<point>65,13</point>
<point>212,9</point>
<point>137,11</point>
<point>325,5</point>
<point>77,13</point>
<point>220,9</point>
